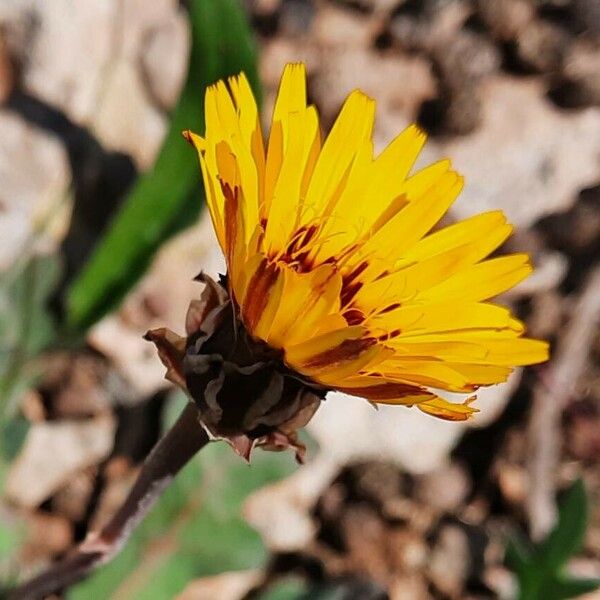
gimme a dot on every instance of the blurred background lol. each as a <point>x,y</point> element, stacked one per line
<point>102,229</point>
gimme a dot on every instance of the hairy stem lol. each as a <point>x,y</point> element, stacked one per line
<point>170,454</point>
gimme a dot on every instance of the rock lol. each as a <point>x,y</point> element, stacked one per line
<point>586,14</point>
<point>126,120</point>
<point>105,64</point>
<point>505,19</point>
<point>425,26</point>
<point>579,84</point>
<point>52,453</point>
<point>461,64</point>
<point>164,59</point>
<point>443,489</point>
<point>526,158</point>
<point>346,61</point>
<point>449,561</point>
<point>34,204</point>
<point>47,535</point>
<point>334,27</point>
<point>398,85</point>
<point>547,315</point>
<point>349,428</point>
<point>408,588</point>
<point>576,232</point>
<point>467,59</point>
<point>296,17</point>
<point>72,500</point>
<point>281,512</point>
<point>7,74</point>
<point>69,54</point>
<point>74,385</point>
<point>541,46</point>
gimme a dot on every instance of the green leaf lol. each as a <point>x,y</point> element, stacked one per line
<point>286,589</point>
<point>26,325</point>
<point>540,572</point>
<point>517,555</point>
<point>13,434</point>
<point>567,536</point>
<point>167,198</point>
<point>567,587</point>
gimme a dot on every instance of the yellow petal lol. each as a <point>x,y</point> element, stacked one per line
<point>448,411</point>
<point>481,281</point>
<point>473,348</point>
<point>352,127</point>
<point>302,354</point>
<point>432,318</point>
<point>410,224</point>
<point>309,298</point>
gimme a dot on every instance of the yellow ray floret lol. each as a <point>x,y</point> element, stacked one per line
<point>332,258</point>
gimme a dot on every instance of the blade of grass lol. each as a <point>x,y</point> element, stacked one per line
<point>165,199</point>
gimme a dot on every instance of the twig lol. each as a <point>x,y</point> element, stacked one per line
<point>550,397</point>
<point>169,455</point>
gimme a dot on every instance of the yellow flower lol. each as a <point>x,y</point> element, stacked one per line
<point>332,260</point>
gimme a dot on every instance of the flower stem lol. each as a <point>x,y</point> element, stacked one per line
<point>170,454</point>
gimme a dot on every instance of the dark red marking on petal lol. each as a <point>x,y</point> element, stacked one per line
<point>358,270</point>
<point>354,316</point>
<point>309,235</point>
<point>231,210</point>
<point>349,292</point>
<point>347,350</point>
<point>389,335</point>
<point>389,390</point>
<point>259,290</point>
<point>390,307</point>
<point>294,244</point>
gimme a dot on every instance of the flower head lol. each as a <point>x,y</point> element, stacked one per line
<point>332,262</point>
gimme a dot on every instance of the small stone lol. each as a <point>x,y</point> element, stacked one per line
<point>74,385</point>
<point>547,314</point>
<point>505,19</point>
<point>461,65</point>
<point>445,488</point>
<point>47,535</point>
<point>7,74</point>
<point>542,46</point>
<point>586,13</point>
<point>450,561</point>
<point>462,114</point>
<point>575,232</point>
<point>164,59</point>
<point>52,453</point>
<point>429,25</point>
<point>524,148</point>
<point>69,52</point>
<point>34,171</point>
<point>579,83</point>
<point>296,17</point>
<point>470,57</point>
<point>72,500</point>
<point>513,483</point>
<point>126,121</point>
